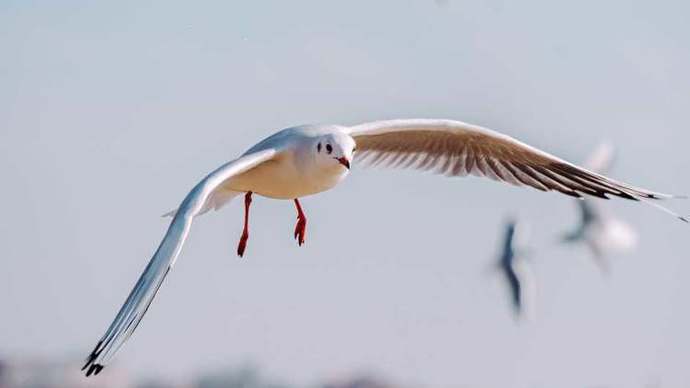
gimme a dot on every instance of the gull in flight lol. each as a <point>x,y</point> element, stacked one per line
<point>599,230</point>
<point>512,262</point>
<point>305,160</point>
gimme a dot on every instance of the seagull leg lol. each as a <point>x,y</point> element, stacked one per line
<point>245,232</point>
<point>301,227</point>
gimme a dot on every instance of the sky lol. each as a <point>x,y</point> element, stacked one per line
<point>111,112</point>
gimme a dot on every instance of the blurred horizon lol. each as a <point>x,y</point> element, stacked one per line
<point>62,373</point>
<point>111,112</point>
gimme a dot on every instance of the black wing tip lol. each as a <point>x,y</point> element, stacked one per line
<point>658,196</point>
<point>90,367</point>
<point>94,369</point>
<point>668,196</point>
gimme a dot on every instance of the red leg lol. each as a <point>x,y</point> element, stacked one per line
<point>245,232</point>
<point>301,227</point>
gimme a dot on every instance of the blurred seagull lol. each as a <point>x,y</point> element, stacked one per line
<point>600,231</point>
<point>305,160</point>
<point>514,267</point>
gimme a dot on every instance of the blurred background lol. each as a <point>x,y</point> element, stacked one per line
<point>111,111</point>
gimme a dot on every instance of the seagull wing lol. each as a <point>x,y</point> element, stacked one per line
<point>515,287</point>
<point>140,298</point>
<point>457,149</point>
<point>589,212</point>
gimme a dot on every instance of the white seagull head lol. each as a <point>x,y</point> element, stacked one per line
<point>334,150</point>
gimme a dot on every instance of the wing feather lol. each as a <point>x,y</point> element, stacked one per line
<point>456,149</point>
<point>144,291</point>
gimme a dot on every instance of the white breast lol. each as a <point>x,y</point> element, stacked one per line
<point>287,177</point>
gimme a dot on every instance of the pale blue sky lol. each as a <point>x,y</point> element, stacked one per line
<point>109,113</point>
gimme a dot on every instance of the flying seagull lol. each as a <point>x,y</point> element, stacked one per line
<point>513,266</point>
<point>304,160</point>
<point>601,232</point>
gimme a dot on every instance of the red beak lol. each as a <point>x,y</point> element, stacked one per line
<point>343,160</point>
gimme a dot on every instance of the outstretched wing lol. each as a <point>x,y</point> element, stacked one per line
<point>514,288</point>
<point>140,298</point>
<point>457,149</point>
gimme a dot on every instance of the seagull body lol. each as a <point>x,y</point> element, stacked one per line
<point>306,160</point>
<point>294,171</point>
<point>600,231</point>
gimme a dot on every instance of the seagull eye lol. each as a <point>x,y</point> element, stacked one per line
<point>354,149</point>
<point>318,147</point>
<point>329,148</point>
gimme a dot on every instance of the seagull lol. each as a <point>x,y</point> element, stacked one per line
<point>309,159</point>
<point>599,230</point>
<point>512,264</point>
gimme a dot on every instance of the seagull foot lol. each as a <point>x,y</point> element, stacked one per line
<point>243,244</point>
<point>245,231</point>
<point>300,230</point>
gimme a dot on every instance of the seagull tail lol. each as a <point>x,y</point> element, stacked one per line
<point>214,202</point>
<point>169,214</point>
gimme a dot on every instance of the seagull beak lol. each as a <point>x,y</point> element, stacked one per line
<point>343,160</point>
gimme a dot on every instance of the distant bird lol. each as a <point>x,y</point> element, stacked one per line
<point>309,159</point>
<point>601,232</point>
<point>512,262</point>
